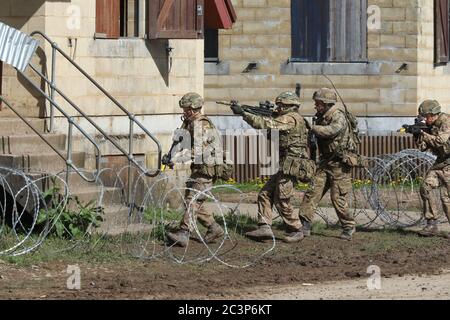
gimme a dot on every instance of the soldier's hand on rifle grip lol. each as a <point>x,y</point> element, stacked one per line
<point>237,109</point>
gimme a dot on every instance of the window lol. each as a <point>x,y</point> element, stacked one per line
<point>329,30</point>
<point>441,26</point>
<point>211,45</point>
<point>175,19</point>
<point>129,18</point>
<point>159,19</point>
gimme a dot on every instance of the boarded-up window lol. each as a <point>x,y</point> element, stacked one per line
<point>175,19</point>
<point>329,30</point>
<point>441,25</point>
<point>107,23</point>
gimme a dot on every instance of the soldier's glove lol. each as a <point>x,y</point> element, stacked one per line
<point>167,161</point>
<point>237,109</point>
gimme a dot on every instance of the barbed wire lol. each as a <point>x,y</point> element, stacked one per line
<point>33,203</point>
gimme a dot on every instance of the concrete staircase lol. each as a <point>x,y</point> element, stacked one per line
<point>22,149</point>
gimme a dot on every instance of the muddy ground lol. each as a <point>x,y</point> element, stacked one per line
<point>322,257</point>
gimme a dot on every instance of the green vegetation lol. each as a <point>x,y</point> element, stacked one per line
<point>68,223</point>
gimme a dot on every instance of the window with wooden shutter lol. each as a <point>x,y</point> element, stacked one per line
<point>441,26</point>
<point>329,30</point>
<point>107,22</point>
<point>175,19</point>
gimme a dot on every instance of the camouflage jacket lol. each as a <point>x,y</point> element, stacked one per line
<point>438,141</point>
<point>334,138</point>
<point>205,144</point>
<point>292,129</point>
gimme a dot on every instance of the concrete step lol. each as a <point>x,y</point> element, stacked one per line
<point>14,125</point>
<point>45,162</point>
<point>116,222</point>
<point>110,195</point>
<point>31,144</point>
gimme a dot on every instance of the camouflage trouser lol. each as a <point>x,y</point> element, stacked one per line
<point>336,177</point>
<point>196,208</point>
<point>436,179</point>
<point>278,191</point>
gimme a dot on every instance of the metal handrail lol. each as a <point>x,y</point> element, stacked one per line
<point>131,116</point>
<point>68,159</point>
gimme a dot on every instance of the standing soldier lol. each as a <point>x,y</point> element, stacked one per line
<point>337,150</point>
<point>439,175</point>
<point>280,187</point>
<point>203,137</point>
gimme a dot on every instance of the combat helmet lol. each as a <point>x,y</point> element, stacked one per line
<point>288,98</point>
<point>429,107</point>
<point>191,100</point>
<point>325,95</point>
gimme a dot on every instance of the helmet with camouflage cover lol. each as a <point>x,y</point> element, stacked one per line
<point>429,107</point>
<point>325,95</point>
<point>191,100</point>
<point>288,98</point>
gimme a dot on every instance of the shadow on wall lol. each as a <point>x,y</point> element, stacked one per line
<point>16,13</point>
<point>159,52</point>
<point>42,66</point>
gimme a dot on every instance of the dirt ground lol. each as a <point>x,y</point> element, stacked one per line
<point>290,271</point>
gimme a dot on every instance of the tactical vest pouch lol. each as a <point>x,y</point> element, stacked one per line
<point>223,171</point>
<point>302,169</point>
<point>354,160</point>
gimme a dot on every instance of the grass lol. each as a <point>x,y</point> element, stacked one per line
<point>96,249</point>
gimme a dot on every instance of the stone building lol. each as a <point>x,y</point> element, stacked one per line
<point>384,56</point>
<point>145,53</point>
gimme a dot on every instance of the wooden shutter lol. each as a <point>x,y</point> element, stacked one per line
<point>175,19</point>
<point>348,31</point>
<point>441,25</point>
<point>107,21</point>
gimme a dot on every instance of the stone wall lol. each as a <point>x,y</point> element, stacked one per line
<point>137,72</point>
<point>372,90</point>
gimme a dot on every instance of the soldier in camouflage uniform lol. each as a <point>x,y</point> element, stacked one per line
<point>280,187</point>
<point>336,146</point>
<point>439,175</point>
<point>203,137</point>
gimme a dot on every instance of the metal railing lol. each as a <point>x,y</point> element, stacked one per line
<point>133,121</point>
<point>68,159</point>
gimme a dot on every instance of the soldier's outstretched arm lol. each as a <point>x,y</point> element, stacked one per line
<point>333,129</point>
<point>282,123</point>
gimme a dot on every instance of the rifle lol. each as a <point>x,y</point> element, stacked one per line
<point>167,158</point>
<point>312,139</point>
<point>265,109</point>
<point>416,128</point>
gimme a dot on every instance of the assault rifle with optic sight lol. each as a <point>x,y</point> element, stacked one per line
<point>265,109</point>
<point>416,128</point>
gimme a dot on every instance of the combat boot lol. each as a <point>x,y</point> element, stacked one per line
<point>264,232</point>
<point>431,229</point>
<point>294,236</point>
<point>214,231</point>
<point>347,234</point>
<point>306,227</point>
<point>179,238</point>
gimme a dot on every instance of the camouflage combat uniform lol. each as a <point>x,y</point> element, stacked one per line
<point>333,173</point>
<point>439,175</point>
<point>280,187</point>
<point>205,142</point>
<point>202,174</point>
